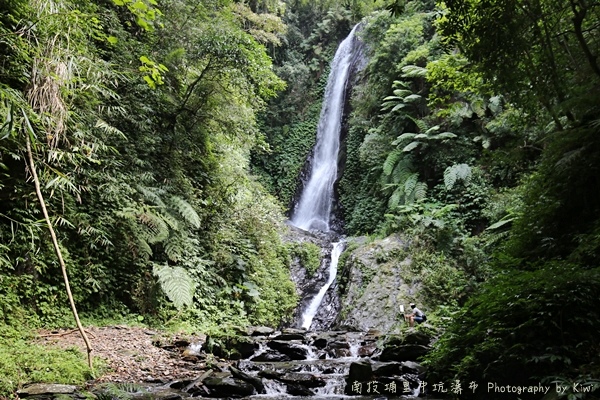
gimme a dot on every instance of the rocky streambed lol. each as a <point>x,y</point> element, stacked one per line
<point>262,363</point>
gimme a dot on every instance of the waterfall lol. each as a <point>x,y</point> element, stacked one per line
<point>311,310</point>
<point>313,210</point>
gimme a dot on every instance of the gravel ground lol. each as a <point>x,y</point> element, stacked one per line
<point>130,354</point>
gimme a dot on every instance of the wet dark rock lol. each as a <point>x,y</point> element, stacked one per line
<point>234,348</point>
<point>37,389</point>
<point>360,371</point>
<point>367,350</point>
<point>407,352</point>
<point>182,343</point>
<point>298,390</point>
<point>254,381</point>
<point>289,348</point>
<point>289,336</point>
<point>320,343</point>
<point>196,387</point>
<point>417,337</point>
<point>224,385</point>
<point>411,367</point>
<point>270,374</point>
<point>179,385</point>
<point>163,394</point>
<point>387,369</point>
<point>271,355</point>
<point>303,378</point>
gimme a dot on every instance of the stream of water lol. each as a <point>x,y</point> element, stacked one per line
<point>313,307</point>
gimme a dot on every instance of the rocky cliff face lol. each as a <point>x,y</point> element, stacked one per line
<point>375,280</point>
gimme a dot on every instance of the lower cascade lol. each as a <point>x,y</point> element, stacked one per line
<point>311,310</point>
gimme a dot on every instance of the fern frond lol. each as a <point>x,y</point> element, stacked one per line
<point>157,230</point>
<point>106,127</point>
<point>413,98</point>
<point>390,162</point>
<point>410,184</point>
<point>398,107</point>
<point>177,284</point>
<point>396,197</point>
<point>186,210</point>
<point>457,172</point>
<point>420,191</point>
<point>444,135</point>
<point>401,93</point>
<point>170,220</point>
<point>173,248</point>
<point>434,128</point>
<point>402,170</point>
<point>495,104</point>
<point>151,195</point>
<point>421,125</point>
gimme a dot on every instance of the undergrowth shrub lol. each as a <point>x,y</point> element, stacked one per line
<point>525,327</point>
<point>309,255</point>
<point>23,362</point>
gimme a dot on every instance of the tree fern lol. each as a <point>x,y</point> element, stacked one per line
<point>177,284</point>
<point>411,146</point>
<point>174,247</point>
<point>410,184</point>
<point>413,71</point>
<point>403,137</point>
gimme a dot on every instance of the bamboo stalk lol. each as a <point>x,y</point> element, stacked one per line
<point>61,261</point>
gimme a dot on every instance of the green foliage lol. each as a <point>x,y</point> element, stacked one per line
<point>139,181</point>
<point>524,326</point>
<point>309,255</point>
<point>457,172</point>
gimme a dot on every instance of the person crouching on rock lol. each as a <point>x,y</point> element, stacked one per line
<point>416,315</point>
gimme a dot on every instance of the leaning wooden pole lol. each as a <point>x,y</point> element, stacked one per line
<point>61,261</point>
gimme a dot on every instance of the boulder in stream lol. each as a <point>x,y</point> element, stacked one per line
<point>292,349</point>
<point>37,389</point>
<point>224,385</point>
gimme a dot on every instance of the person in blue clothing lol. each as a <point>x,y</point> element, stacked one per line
<point>415,316</point>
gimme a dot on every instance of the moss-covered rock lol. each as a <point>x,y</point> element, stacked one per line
<point>376,280</point>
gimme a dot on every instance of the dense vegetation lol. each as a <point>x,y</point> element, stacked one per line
<point>140,121</point>
<point>169,140</point>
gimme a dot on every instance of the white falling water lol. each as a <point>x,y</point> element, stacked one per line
<point>314,208</point>
<point>312,308</point>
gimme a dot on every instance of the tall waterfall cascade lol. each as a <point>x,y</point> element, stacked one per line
<point>313,210</point>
